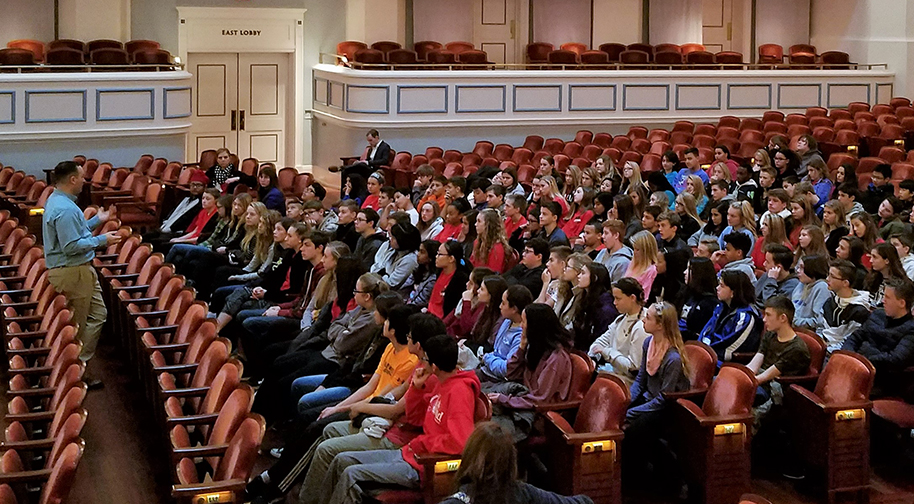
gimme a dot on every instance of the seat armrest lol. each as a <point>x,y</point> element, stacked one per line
<point>692,394</point>
<point>836,407</point>
<point>189,491</point>
<point>175,369</point>
<point>192,420</point>
<point>148,314</point>
<point>557,406</point>
<point>554,419</point>
<point>24,320</point>
<point>32,371</point>
<point>427,459</point>
<point>9,267</point>
<point>165,329</point>
<point>16,306</point>
<point>28,352</point>
<point>30,445</point>
<point>198,451</point>
<point>27,334</point>
<point>25,476</point>
<point>185,392</point>
<point>129,288</point>
<point>16,292</point>
<point>12,279</point>
<point>106,257</point>
<point>169,348</point>
<point>115,266</point>
<point>127,276</point>
<point>144,301</point>
<point>38,416</point>
<point>32,392</point>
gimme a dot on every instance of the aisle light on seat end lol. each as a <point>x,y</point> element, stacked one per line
<point>852,149</point>
<point>214,498</point>
<point>36,211</point>
<point>899,143</point>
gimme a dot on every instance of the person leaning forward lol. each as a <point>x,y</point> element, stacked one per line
<point>69,250</point>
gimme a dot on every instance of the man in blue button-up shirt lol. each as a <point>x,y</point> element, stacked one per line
<point>69,248</point>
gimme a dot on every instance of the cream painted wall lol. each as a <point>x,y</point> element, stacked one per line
<point>442,20</point>
<point>95,19</point>
<point>616,21</point>
<point>27,19</point>
<point>784,22</point>
<point>871,32</point>
<point>375,20</point>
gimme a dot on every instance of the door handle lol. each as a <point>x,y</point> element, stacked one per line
<point>234,125</point>
<point>241,121</point>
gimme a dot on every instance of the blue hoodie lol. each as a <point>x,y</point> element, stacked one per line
<point>732,330</point>
<point>507,341</point>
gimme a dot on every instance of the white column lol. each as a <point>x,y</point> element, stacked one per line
<point>871,32</point>
<point>95,19</point>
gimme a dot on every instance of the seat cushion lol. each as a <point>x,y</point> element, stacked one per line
<point>896,411</point>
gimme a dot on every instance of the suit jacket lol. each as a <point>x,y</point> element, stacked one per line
<point>381,156</point>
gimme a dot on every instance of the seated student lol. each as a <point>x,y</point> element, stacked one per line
<point>267,192</point>
<point>616,256</point>
<point>313,192</point>
<point>887,337</point>
<point>663,368</point>
<point>493,366</point>
<point>404,243</point>
<point>482,334</point>
<point>345,230</point>
<point>906,193</point>
<point>789,184</point>
<point>722,155</point>
<point>618,350</point>
<point>186,210</point>
<point>592,307</point>
<point>846,310</point>
<point>515,222</point>
<point>591,240</point>
<point>451,227</point>
<point>706,249</point>
<point>320,218</point>
<point>346,338</point>
<point>747,189</point>
<point>453,273</point>
<point>904,243</point>
<point>879,188</point>
<point>767,180</point>
<point>542,363</point>
<point>777,280</point>
<point>403,203</point>
<point>448,423</point>
<point>849,196</point>
<point>781,352</point>
<point>550,213</point>
<point>735,256</point>
<point>692,167</point>
<point>418,288</point>
<point>890,217</point>
<point>461,320</point>
<point>386,204</point>
<point>488,473</point>
<point>476,193</point>
<point>370,237</point>
<point>649,218</point>
<point>430,222</point>
<point>374,182</point>
<point>495,198</point>
<point>668,238</point>
<point>491,248</point>
<point>456,188</point>
<point>719,195</point>
<point>203,223</point>
<point>850,248</point>
<point>529,272</point>
<point>555,290</point>
<point>294,208</point>
<point>699,298</point>
<point>779,204</point>
<point>810,295</point>
<point>436,192</point>
<point>734,326</point>
<point>740,218</point>
<point>424,174</point>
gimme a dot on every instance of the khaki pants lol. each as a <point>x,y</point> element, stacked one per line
<point>84,295</point>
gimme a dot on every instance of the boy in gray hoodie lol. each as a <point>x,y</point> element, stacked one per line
<point>777,280</point>
<point>846,310</point>
<point>735,257</point>
<point>616,256</point>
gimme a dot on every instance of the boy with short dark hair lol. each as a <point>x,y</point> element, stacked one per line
<point>424,174</point>
<point>649,218</point>
<point>849,196</point>
<point>781,352</point>
<point>880,187</point>
<point>847,309</point>
<point>437,192</point>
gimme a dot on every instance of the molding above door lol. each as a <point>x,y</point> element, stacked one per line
<point>252,30</point>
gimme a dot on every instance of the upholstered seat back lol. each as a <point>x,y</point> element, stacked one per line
<point>848,377</point>
<point>732,392</point>
<point>604,406</point>
<point>702,364</point>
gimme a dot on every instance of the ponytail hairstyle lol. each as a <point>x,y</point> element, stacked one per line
<point>326,289</point>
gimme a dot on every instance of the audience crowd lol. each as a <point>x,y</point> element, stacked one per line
<point>372,328</point>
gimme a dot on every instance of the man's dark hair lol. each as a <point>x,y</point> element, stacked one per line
<point>780,194</point>
<point>781,255</point>
<point>553,208</point>
<point>518,201</point>
<point>906,184</point>
<point>314,205</point>
<point>739,241</point>
<point>815,266</point>
<point>904,290</point>
<point>518,296</point>
<point>723,148</point>
<point>671,217</point>
<point>287,222</point>
<point>65,170</point>
<point>423,326</point>
<point>846,269</point>
<point>398,320</point>
<point>373,132</point>
<point>782,306</point>
<point>692,150</point>
<point>497,189</point>
<point>480,183</point>
<point>351,205</point>
<point>741,285</point>
<point>441,350</point>
<point>792,180</point>
<point>539,246</point>
<point>906,238</point>
<point>441,179</point>
<point>319,190</point>
<point>850,189</point>
<point>371,216</point>
<point>721,184</point>
<point>319,238</point>
<point>654,210</point>
<point>389,191</point>
<point>884,169</point>
<point>458,182</point>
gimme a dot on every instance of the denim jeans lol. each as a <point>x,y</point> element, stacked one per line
<point>303,391</point>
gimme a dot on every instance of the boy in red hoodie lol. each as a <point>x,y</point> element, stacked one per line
<point>447,425</point>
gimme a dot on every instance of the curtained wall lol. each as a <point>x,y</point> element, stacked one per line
<point>675,21</point>
<point>443,20</point>
<point>560,21</point>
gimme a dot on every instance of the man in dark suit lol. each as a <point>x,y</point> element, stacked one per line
<point>376,155</point>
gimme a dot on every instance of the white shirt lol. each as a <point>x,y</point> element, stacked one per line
<point>186,205</point>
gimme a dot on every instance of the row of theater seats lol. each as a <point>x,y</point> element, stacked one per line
<point>386,54</point>
<point>855,134</point>
<point>193,386</point>
<point>25,52</point>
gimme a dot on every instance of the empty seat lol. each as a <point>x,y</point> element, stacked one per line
<point>538,52</point>
<point>37,47</point>
<point>403,57</point>
<point>634,59</point>
<point>595,58</point>
<point>729,59</point>
<point>426,46</point>
<point>348,48</point>
<point>668,58</point>
<point>385,46</point>
<point>772,115</point>
<point>13,56</point>
<point>441,57</point>
<point>702,58</point>
<point>370,57</point>
<point>575,47</point>
<point>94,45</point>
<point>473,57</point>
<point>802,60</point>
<point>649,49</point>
<point>613,49</point>
<point>159,57</point>
<point>667,47</point>
<point>69,43</point>
<point>65,56</point>
<point>109,56</point>
<point>563,58</point>
<point>835,60</point>
<point>133,46</point>
<point>459,46</point>
<point>802,49</point>
<point>770,53</point>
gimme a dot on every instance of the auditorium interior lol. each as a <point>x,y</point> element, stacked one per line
<point>146,95</point>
